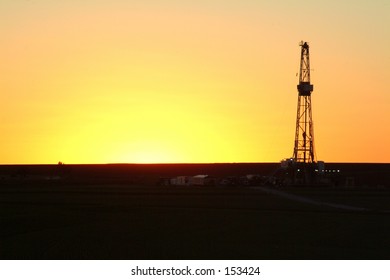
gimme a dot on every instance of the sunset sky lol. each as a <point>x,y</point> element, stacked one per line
<point>114,81</point>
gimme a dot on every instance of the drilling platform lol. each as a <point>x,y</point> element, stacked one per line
<point>302,168</point>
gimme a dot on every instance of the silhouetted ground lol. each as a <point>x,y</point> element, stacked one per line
<point>363,175</point>
<point>76,219</point>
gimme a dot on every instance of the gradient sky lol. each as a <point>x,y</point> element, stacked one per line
<point>110,81</point>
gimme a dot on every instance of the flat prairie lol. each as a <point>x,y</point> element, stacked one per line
<point>67,220</point>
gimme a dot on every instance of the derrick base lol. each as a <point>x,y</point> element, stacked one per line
<point>294,173</point>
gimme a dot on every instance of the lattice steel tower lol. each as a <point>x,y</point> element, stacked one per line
<point>304,133</point>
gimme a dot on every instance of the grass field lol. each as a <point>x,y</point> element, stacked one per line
<point>71,221</point>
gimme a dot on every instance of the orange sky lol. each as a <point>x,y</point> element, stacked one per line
<point>190,81</point>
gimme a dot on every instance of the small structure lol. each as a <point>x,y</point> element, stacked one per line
<point>199,180</point>
<point>180,181</point>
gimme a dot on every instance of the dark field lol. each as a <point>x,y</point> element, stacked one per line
<point>86,217</point>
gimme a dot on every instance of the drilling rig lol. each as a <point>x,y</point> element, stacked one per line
<point>304,132</point>
<point>302,168</point>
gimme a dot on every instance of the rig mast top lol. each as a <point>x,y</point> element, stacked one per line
<point>304,87</point>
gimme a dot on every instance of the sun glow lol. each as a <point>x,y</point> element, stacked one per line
<point>151,156</point>
<point>145,152</point>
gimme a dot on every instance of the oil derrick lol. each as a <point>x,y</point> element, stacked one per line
<point>304,133</point>
<point>302,168</point>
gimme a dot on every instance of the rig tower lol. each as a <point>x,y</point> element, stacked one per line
<point>304,133</point>
<point>302,168</point>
